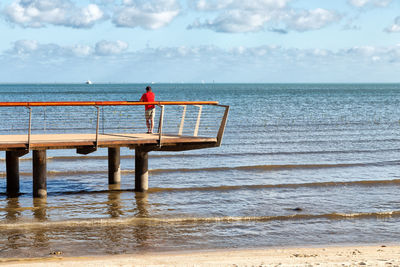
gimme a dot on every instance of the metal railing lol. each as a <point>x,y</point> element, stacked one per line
<point>181,118</point>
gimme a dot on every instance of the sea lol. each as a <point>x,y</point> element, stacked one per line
<point>299,165</point>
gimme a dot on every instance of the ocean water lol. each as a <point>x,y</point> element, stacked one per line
<point>300,165</point>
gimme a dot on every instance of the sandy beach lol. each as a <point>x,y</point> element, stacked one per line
<point>329,256</point>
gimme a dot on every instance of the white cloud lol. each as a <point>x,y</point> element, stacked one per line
<point>149,15</point>
<point>110,48</point>
<point>81,50</point>
<point>358,3</point>
<point>234,21</point>
<point>50,62</point>
<point>25,46</point>
<point>87,16</point>
<point>234,16</point>
<point>212,5</point>
<point>374,3</point>
<point>312,19</point>
<point>39,13</point>
<point>102,49</point>
<point>395,27</point>
<point>33,49</point>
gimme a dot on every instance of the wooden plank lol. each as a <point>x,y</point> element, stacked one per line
<point>71,141</point>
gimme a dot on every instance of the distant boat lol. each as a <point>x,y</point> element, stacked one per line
<point>88,82</point>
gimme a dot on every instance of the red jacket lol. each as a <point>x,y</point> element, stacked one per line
<point>148,97</point>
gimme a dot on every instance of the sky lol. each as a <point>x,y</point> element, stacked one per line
<point>196,41</point>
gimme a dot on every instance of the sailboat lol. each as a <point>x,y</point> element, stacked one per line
<point>88,82</point>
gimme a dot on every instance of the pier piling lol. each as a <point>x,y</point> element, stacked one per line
<point>39,173</point>
<point>141,170</point>
<point>114,169</point>
<point>12,170</point>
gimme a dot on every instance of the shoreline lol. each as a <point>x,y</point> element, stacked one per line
<point>352,255</point>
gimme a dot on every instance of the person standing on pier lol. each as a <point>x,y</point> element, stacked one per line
<point>150,110</point>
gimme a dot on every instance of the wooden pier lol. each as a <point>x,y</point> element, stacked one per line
<point>17,145</point>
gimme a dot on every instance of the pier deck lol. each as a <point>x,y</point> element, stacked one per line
<point>88,126</point>
<point>72,141</point>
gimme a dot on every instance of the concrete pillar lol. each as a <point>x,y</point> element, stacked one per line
<point>12,170</point>
<point>141,170</point>
<point>114,169</point>
<point>39,173</point>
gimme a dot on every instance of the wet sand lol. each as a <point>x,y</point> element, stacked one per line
<point>332,256</point>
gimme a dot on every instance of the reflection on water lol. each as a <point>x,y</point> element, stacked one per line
<point>142,204</point>
<point>40,209</point>
<point>13,209</point>
<point>39,240</point>
<point>40,237</point>
<point>141,232</point>
<point>113,235</point>
<point>114,201</point>
<point>12,214</point>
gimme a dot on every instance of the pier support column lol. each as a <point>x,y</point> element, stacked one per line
<point>114,169</point>
<point>12,170</point>
<point>39,173</point>
<point>141,170</point>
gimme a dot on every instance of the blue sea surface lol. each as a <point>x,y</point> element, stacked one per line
<point>299,165</point>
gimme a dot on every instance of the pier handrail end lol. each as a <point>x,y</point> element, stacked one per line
<point>222,125</point>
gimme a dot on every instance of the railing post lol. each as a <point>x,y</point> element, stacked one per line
<point>102,119</point>
<point>44,118</point>
<point>196,129</point>
<point>222,125</point>
<point>182,120</point>
<point>160,125</point>
<point>97,126</point>
<point>29,128</point>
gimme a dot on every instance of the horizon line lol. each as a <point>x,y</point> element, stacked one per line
<point>154,83</point>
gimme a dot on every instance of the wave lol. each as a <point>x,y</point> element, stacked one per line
<point>152,190</point>
<point>272,186</point>
<point>106,222</point>
<point>217,169</point>
<point>277,167</point>
<point>332,127</point>
<point>204,155</point>
<point>310,141</point>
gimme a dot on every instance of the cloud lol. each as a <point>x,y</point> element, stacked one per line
<point>110,48</point>
<point>229,16</point>
<point>371,54</point>
<point>373,3</point>
<point>206,54</point>
<point>312,19</point>
<point>233,22</point>
<point>39,13</point>
<point>33,49</point>
<point>29,60</point>
<point>395,27</point>
<point>236,16</point>
<point>80,50</point>
<point>25,46</point>
<point>149,15</point>
<point>213,5</point>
